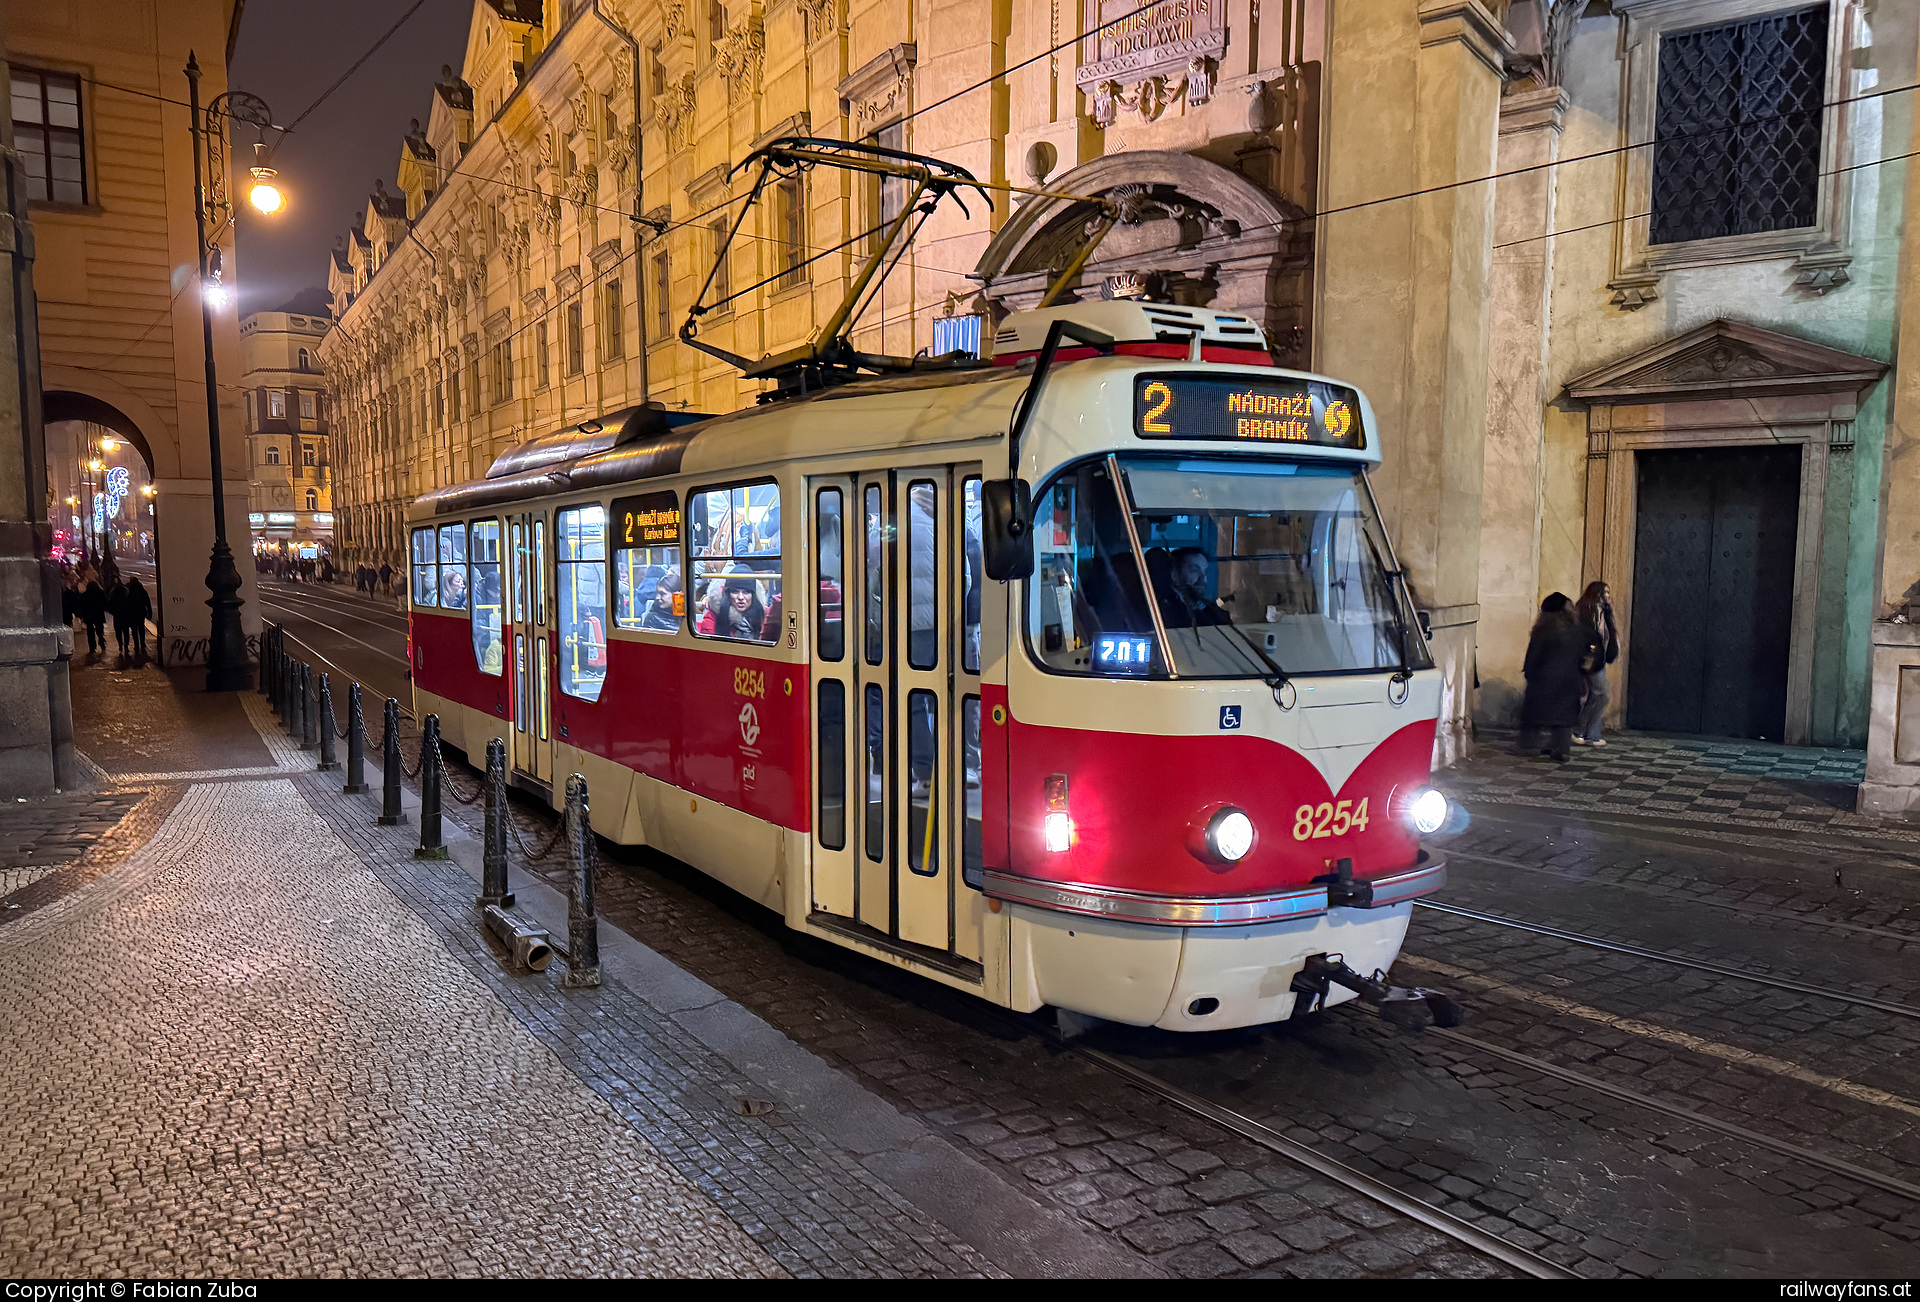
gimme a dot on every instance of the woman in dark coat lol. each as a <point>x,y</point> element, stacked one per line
<point>1555,681</point>
<point>93,612</point>
<point>122,620</point>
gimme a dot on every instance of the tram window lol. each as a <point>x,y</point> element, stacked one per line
<point>923,590</point>
<point>972,573</point>
<point>426,571</point>
<point>540,689</point>
<point>519,573</point>
<point>829,583</point>
<point>453,567</point>
<point>923,749</point>
<point>647,589</point>
<point>971,858</point>
<point>520,681</point>
<point>733,542</point>
<point>872,554</point>
<point>833,764</point>
<point>539,571</point>
<point>1084,581</point>
<point>874,773</point>
<point>483,560</point>
<point>580,561</point>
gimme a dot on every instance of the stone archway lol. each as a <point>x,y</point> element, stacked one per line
<point>1190,232</point>
<point>64,404</point>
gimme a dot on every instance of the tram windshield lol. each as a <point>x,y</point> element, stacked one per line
<point>1259,568</point>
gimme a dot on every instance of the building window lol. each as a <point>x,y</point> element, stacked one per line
<point>1737,128</point>
<point>273,454</point>
<point>656,73</point>
<point>615,344</point>
<point>309,405</point>
<point>453,392</point>
<point>503,370</point>
<point>886,195</point>
<point>662,296</point>
<point>790,221</point>
<point>576,340</point>
<point>253,413</point>
<point>309,455</point>
<point>716,26</point>
<point>276,404</point>
<point>473,386</point>
<point>722,283</point>
<point>306,361</point>
<point>439,402</point>
<point>313,498</point>
<point>541,364</point>
<point>47,132</point>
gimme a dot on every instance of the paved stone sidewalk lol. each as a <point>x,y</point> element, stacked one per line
<point>239,1054</point>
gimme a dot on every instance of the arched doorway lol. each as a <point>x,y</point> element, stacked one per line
<point>1190,232</point>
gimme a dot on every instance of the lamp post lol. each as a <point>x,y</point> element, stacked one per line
<point>227,669</point>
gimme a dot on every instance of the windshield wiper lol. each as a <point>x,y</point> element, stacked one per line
<point>1405,672</point>
<point>1279,675</point>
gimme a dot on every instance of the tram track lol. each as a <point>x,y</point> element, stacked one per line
<point>1676,960</point>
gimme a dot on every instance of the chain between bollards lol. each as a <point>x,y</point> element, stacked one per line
<point>493,863</point>
<point>356,744</point>
<point>328,760</point>
<point>390,768</point>
<point>583,928</point>
<point>431,846</point>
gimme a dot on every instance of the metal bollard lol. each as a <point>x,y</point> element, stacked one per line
<point>294,696</point>
<point>328,760</point>
<point>266,651</point>
<point>583,929</point>
<point>309,707</point>
<point>493,859</point>
<point>391,766</point>
<point>356,744</point>
<point>431,846</point>
<point>278,675</point>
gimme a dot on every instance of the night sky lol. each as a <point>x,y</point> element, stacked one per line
<point>288,53</point>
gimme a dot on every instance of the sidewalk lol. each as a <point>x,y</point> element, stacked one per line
<point>251,1034</point>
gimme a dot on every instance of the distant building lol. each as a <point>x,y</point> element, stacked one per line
<point>289,453</point>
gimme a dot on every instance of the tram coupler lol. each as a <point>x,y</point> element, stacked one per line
<point>1342,890</point>
<point>1410,1008</point>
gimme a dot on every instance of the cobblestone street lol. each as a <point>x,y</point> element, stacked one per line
<point>300,1055</point>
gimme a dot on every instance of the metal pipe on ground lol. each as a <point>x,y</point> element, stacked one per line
<point>530,945</point>
<point>583,928</point>
<point>328,759</point>
<point>432,845</point>
<point>309,708</point>
<point>390,769</point>
<point>493,862</point>
<point>356,744</point>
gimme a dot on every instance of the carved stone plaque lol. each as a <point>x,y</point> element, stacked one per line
<point>1159,41</point>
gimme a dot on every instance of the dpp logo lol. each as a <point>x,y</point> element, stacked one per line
<point>750,724</point>
<point>1229,718</point>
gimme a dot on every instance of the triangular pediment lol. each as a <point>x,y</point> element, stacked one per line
<point>1726,359</point>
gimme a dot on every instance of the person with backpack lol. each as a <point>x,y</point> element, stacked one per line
<point>1595,614</point>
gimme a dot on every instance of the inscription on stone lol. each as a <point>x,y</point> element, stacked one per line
<point>1155,41</point>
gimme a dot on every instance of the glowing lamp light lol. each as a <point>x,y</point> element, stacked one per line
<point>1058,824</point>
<point>264,195</point>
<point>1230,834</point>
<point>1428,811</point>
<point>217,295</point>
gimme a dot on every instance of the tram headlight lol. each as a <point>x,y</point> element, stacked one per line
<point>1230,834</point>
<point>1428,811</point>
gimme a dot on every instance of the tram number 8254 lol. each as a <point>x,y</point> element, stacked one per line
<point>1311,822</point>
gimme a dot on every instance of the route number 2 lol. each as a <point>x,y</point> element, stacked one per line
<point>1311,822</point>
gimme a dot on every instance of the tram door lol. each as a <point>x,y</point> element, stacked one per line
<point>891,689</point>
<point>532,611</point>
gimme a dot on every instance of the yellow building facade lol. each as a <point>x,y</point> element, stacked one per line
<point>289,452</point>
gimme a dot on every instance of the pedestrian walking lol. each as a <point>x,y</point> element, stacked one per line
<point>122,622</point>
<point>1595,614</point>
<point>140,608</point>
<point>1554,681</point>
<point>386,579</point>
<point>93,613</point>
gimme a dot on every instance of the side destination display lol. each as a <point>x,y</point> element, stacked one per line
<point>1247,409</point>
<point>647,520</point>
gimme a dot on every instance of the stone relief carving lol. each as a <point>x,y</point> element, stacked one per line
<point>620,150</point>
<point>821,16</point>
<point>674,110</point>
<point>582,185</point>
<point>1714,359</point>
<point>740,56</point>
<point>674,18</point>
<point>1154,95</point>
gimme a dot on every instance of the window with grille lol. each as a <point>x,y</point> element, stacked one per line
<point>790,221</point>
<point>47,132</point>
<point>1737,128</point>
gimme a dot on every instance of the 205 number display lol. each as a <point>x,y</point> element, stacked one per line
<point>1329,818</point>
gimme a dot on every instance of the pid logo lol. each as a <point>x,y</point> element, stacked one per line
<point>749,723</point>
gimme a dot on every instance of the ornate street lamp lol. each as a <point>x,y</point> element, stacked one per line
<point>227,668</point>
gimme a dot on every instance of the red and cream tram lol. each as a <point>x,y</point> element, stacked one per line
<point>1170,774</point>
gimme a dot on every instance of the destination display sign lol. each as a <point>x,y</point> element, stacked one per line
<point>1245,409</point>
<point>647,520</point>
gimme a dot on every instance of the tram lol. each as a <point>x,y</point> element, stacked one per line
<point>1148,741</point>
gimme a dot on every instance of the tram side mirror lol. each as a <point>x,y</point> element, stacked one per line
<point>1006,519</point>
<point>1426,623</point>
